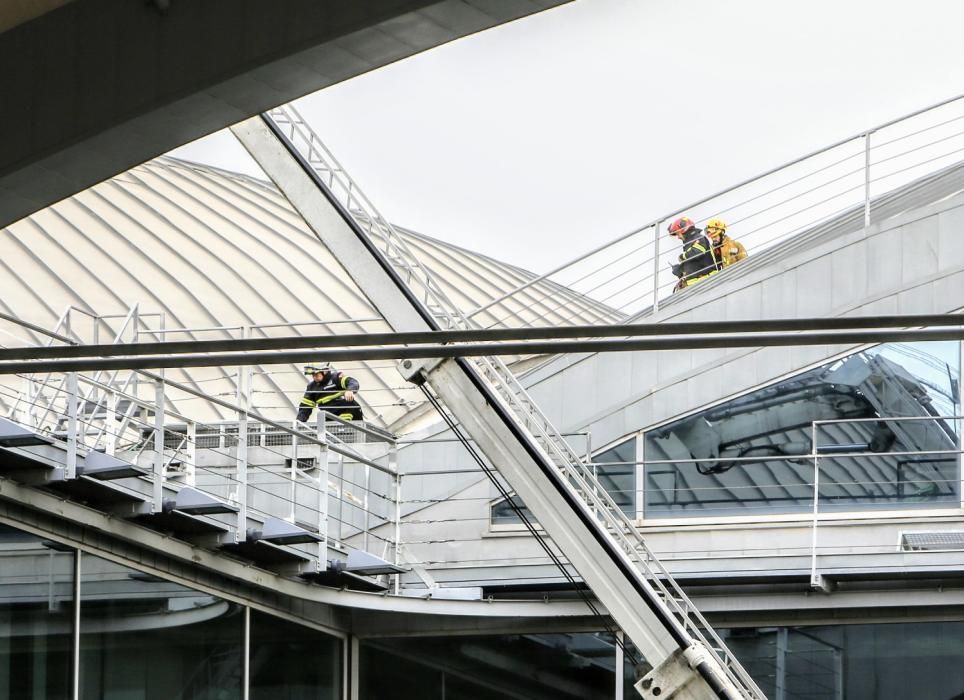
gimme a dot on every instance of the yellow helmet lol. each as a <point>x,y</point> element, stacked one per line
<point>716,224</point>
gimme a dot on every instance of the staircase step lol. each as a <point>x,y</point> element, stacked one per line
<point>15,435</point>
<point>105,467</point>
<point>193,502</point>
<point>281,532</point>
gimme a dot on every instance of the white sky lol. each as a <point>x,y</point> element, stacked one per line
<point>540,139</point>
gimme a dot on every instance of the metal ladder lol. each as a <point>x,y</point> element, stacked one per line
<point>575,472</point>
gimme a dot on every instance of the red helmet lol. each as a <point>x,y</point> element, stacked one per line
<point>680,226</point>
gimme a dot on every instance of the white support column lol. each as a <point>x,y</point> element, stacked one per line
<point>620,662</point>
<point>72,427</point>
<point>246,655</point>
<point>159,410</point>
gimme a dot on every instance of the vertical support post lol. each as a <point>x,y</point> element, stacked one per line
<point>159,409</point>
<point>354,671</point>
<point>814,576</point>
<point>293,474</point>
<point>656,267</point>
<point>783,639</point>
<point>246,655</point>
<point>640,472</point>
<point>867,179</point>
<point>397,534</point>
<point>191,471</point>
<point>838,674</point>
<point>620,663</point>
<point>75,632</point>
<point>71,470</point>
<point>241,454</point>
<point>340,518</point>
<point>110,423</point>
<point>368,486</point>
<point>322,492</point>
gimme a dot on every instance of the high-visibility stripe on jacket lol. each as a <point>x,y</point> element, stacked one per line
<point>696,262</point>
<point>331,388</point>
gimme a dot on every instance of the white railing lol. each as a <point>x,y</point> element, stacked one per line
<point>632,275</point>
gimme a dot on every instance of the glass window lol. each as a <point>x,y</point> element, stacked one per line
<point>504,512</point>
<point>749,455</point>
<point>293,662</point>
<point>36,617</point>
<point>580,666</point>
<point>854,662</point>
<point>616,471</point>
<point>146,638</point>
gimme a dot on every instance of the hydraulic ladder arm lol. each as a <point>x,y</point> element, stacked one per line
<point>689,660</point>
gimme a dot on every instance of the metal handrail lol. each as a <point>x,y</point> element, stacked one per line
<point>865,185</point>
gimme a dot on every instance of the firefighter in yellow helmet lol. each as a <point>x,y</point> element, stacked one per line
<point>726,251</point>
<point>330,391</point>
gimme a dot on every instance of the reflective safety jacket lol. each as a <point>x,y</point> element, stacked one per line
<point>728,252</point>
<point>696,261</point>
<point>329,390</point>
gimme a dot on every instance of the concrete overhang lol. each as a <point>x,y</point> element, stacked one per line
<point>92,88</point>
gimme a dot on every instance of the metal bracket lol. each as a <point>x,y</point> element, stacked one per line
<point>416,371</point>
<point>674,677</point>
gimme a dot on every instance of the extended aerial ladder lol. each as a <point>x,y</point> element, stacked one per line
<point>688,659</point>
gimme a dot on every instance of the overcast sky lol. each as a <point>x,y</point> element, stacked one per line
<point>539,139</point>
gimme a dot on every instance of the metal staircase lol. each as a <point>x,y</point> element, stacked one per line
<point>572,469</point>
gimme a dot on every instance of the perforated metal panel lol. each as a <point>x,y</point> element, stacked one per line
<point>924,541</point>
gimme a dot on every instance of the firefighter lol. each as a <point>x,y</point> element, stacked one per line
<point>726,251</point>
<point>331,391</point>
<point>696,262</point>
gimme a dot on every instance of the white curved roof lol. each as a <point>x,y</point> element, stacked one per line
<point>206,248</point>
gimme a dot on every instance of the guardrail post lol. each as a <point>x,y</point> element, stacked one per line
<point>397,494</point>
<point>656,267</point>
<point>814,576</point>
<point>191,470</point>
<point>867,179</point>
<point>110,423</point>
<point>322,492</point>
<point>71,470</point>
<point>293,474</point>
<point>159,409</point>
<point>241,454</point>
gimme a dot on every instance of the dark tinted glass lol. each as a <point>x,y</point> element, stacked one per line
<point>142,637</point>
<point>36,617</point>
<point>293,662</point>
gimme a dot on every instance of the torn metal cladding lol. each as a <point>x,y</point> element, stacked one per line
<point>478,335</point>
<point>437,350</point>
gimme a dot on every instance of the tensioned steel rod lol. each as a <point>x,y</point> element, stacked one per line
<point>483,335</point>
<point>429,351</point>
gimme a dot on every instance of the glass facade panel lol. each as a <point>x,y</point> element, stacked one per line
<point>580,666</point>
<point>293,662</point>
<point>36,617</point>
<point>145,638</point>
<point>855,662</point>
<point>748,456</point>
<point>616,471</point>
